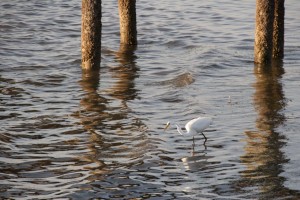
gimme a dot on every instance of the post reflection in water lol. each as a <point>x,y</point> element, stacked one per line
<point>125,73</point>
<point>117,139</point>
<point>92,113</point>
<point>263,157</point>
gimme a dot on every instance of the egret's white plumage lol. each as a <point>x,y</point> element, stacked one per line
<point>194,127</point>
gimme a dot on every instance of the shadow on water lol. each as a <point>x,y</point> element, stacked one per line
<point>263,157</point>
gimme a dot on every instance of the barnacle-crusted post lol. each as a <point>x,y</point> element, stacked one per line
<point>127,13</point>
<point>263,44</point>
<point>91,34</point>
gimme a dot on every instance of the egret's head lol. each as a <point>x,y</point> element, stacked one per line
<point>167,126</point>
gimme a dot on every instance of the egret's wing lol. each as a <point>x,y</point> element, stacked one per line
<point>198,124</point>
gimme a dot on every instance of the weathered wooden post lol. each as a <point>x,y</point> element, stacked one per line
<point>91,34</point>
<point>278,32</point>
<point>127,13</point>
<point>263,45</point>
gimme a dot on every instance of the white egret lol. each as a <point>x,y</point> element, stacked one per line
<point>194,127</point>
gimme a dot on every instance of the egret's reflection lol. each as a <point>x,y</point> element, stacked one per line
<point>198,160</point>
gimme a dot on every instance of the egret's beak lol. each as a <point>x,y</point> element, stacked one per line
<point>167,126</point>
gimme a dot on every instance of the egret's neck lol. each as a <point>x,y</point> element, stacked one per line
<point>180,130</point>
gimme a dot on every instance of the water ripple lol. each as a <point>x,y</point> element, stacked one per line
<point>69,135</point>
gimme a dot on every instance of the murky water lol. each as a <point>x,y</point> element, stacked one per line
<point>65,135</point>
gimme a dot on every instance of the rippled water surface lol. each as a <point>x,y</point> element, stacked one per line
<point>65,135</point>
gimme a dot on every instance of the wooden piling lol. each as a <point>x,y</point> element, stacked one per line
<point>263,45</point>
<point>91,34</point>
<point>278,32</point>
<point>127,14</point>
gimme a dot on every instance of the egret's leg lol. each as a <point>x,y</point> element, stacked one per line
<point>204,136</point>
<point>193,149</point>
<point>204,140</point>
